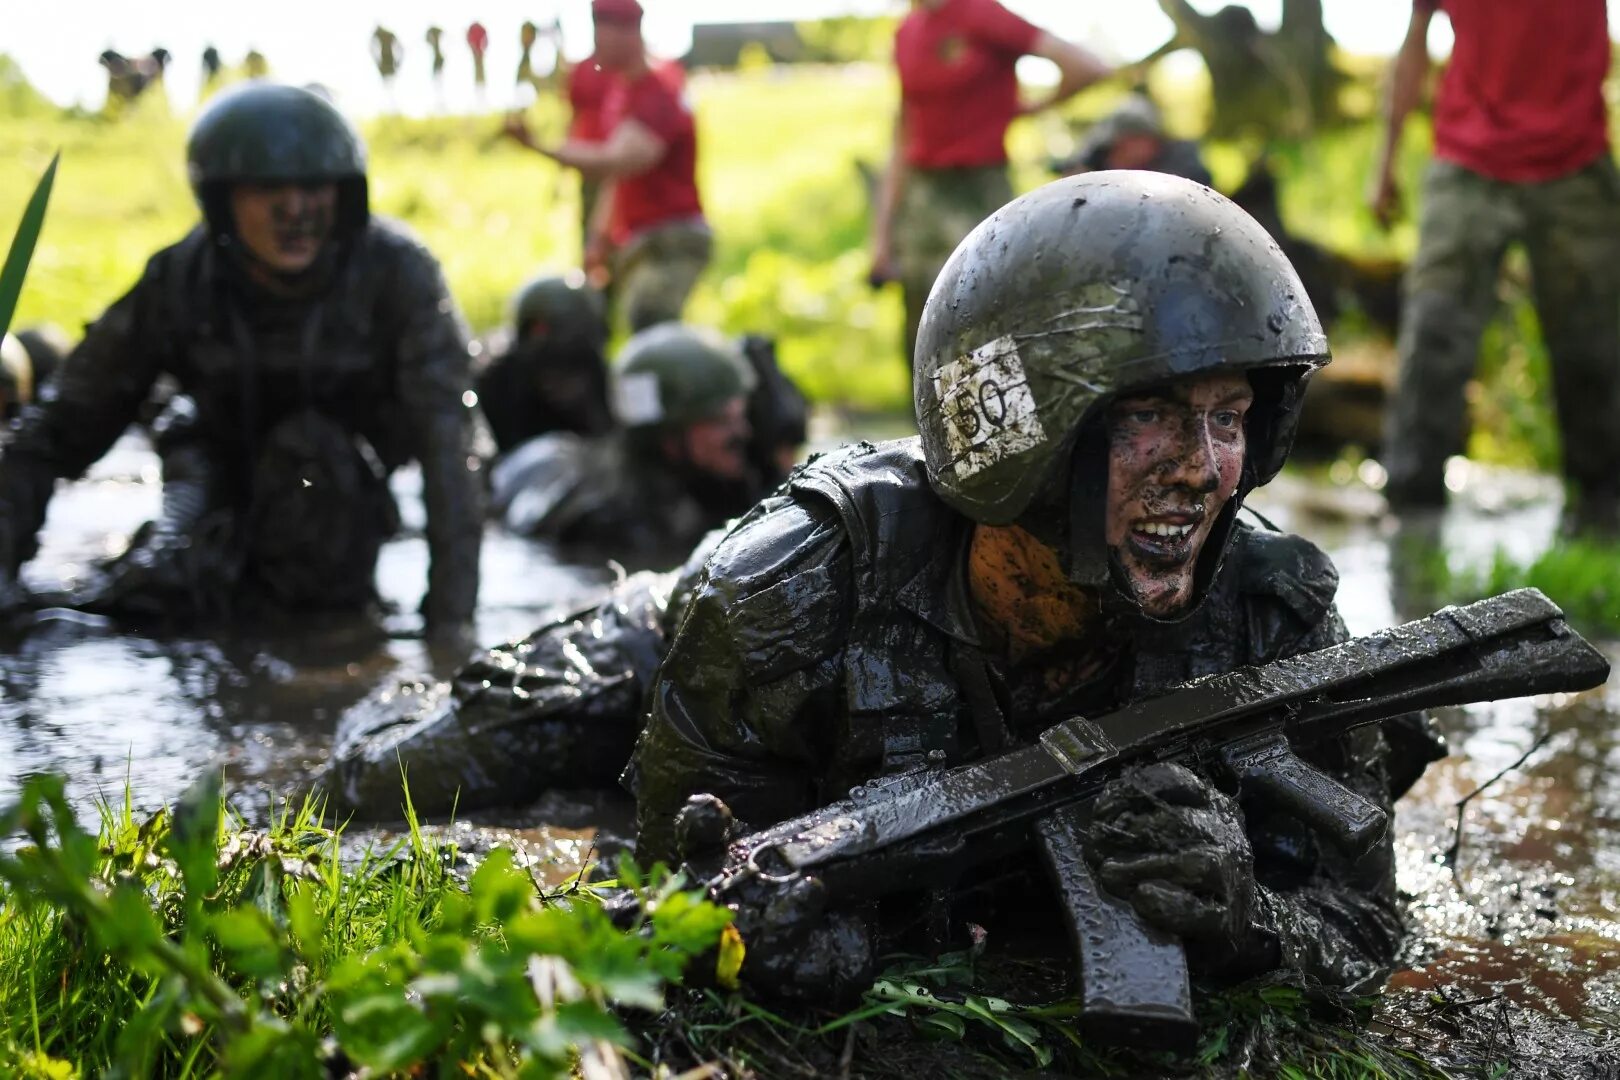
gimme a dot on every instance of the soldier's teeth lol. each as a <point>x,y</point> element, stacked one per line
<point>1155,528</point>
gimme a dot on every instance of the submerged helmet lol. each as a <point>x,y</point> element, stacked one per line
<point>1088,288</point>
<point>269,133</point>
<point>560,306</point>
<point>671,375</point>
<point>27,359</point>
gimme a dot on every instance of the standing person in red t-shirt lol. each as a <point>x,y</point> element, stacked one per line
<point>588,86</point>
<point>958,95</point>
<point>1521,155</point>
<point>478,42</point>
<point>651,215</point>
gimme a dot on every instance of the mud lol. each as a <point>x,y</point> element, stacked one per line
<point>1518,943</point>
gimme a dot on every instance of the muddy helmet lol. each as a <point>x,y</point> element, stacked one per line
<point>560,306</point>
<point>671,375</point>
<point>1091,287</point>
<point>269,133</point>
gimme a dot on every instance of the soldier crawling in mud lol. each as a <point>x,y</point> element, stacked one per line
<point>552,375</point>
<point>321,351</point>
<point>562,706</point>
<point>1105,369</point>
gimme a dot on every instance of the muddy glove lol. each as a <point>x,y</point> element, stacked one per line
<point>796,949</point>
<point>1173,846</point>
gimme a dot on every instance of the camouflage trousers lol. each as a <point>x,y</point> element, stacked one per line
<point>938,208</point>
<point>656,271</point>
<point>1570,228</point>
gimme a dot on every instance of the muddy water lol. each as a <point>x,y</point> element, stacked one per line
<point>1530,913</point>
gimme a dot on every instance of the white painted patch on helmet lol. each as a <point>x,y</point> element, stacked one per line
<point>989,413</point>
<point>635,399</point>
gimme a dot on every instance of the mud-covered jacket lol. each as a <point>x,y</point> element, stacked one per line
<point>832,639</point>
<point>606,494</point>
<point>381,350</point>
<point>560,708</point>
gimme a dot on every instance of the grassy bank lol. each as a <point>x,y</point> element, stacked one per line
<point>187,945</point>
<point>1582,575</point>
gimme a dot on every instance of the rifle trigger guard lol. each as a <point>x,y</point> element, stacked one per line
<point>1075,743</point>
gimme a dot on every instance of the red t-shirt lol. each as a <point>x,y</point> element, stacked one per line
<point>588,86</point>
<point>667,191</point>
<point>958,83</point>
<point>1522,98</point>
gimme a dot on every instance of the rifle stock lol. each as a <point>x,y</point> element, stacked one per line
<point>1238,728</point>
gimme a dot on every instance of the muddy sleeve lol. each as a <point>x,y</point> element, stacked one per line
<point>433,386</point>
<point>83,410</point>
<point>1322,913</point>
<point>744,705</point>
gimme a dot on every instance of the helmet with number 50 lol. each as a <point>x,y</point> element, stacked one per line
<point>1091,287</point>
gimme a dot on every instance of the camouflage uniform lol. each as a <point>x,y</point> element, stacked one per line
<point>937,209</point>
<point>657,269</point>
<point>1571,229</point>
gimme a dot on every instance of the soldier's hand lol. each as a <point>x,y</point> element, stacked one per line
<point>797,950</point>
<point>884,268</point>
<point>1173,846</point>
<point>1384,197</point>
<point>517,129</point>
<point>450,642</point>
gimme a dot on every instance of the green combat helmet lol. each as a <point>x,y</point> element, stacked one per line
<point>560,306</point>
<point>268,133</point>
<point>672,375</point>
<point>1087,288</point>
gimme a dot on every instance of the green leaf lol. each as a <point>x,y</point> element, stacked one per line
<point>942,1023</point>
<point>22,245</point>
<point>250,941</point>
<point>194,837</point>
<point>499,889</point>
<point>308,928</point>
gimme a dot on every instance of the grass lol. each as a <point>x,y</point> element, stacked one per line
<point>1581,575</point>
<point>188,945</point>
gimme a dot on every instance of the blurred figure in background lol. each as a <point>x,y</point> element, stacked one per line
<point>1133,137</point>
<point>553,375</point>
<point>676,467</point>
<point>958,94</point>
<point>478,43</point>
<point>1521,156</point>
<point>653,219</point>
<point>314,348</point>
<point>528,34</point>
<point>212,67</point>
<point>128,77</point>
<point>387,53</point>
<point>588,86</point>
<point>435,43</point>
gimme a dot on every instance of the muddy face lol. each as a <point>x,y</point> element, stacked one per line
<point>718,445</point>
<point>1174,459</point>
<point>284,225</point>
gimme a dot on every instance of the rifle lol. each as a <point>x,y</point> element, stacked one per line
<point>926,826</point>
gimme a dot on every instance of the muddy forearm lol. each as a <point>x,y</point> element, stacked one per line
<point>434,381</point>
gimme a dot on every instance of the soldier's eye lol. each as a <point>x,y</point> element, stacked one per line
<point>1144,416</point>
<point>1228,418</point>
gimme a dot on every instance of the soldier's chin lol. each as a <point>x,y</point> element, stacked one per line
<point>1162,592</point>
